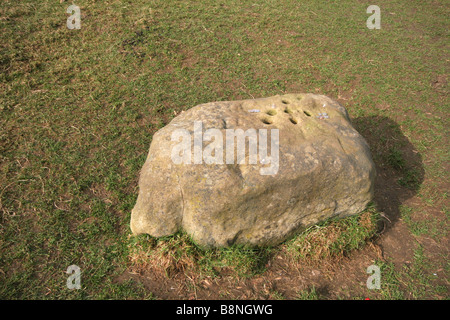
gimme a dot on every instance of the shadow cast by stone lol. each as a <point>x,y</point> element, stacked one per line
<point>399,165</point>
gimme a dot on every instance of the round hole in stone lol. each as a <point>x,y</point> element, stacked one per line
<point>288,110</point>
<point>267,121</point>
<point>271,112</point>
<point>307,113</point>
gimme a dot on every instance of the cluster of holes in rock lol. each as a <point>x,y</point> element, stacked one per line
<point>288,110</point>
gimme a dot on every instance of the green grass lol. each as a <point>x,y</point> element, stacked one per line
<point>432,227</point>
<point>308,294</point>
<point>78,109</point>
<point>416,280</point>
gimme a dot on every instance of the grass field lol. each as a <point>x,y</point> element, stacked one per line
<point>78,109</point>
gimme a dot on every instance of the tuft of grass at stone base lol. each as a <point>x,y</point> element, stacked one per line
<point>178,253</point>
<point>334,238</point>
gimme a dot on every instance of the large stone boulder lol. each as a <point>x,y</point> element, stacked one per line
<point>308,164</point>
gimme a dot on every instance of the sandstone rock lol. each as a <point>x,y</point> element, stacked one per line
<point>318,167</point>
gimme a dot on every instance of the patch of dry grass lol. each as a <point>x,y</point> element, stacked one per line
<point>168,257</point>
<point>333,239</point>
<point>179,254</point>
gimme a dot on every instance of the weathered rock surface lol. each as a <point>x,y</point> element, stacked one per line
<point>324,170</point>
